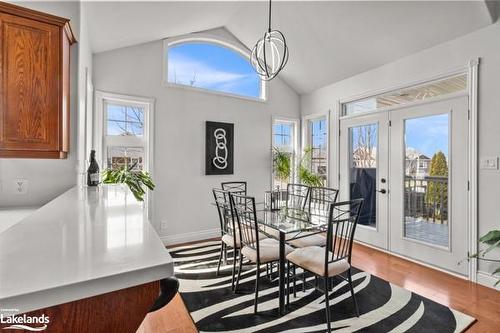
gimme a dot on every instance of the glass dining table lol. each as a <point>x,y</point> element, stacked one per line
<point>289,224</point>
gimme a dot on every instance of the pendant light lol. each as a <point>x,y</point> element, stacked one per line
<point>270,53</point>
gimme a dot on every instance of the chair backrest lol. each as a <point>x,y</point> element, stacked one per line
<point>235,187</point>
<point>320,199</point>
<point>223,205</point>
<point>245,215</point>
<point>342,221</point>
<point>297,196</point>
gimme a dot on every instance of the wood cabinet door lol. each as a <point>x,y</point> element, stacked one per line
<point>30,71</point>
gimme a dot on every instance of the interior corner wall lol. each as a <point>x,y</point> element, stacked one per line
<point>456,53</point>
<point>47,178</point>
<point>85,96</point>
<point>182,198</point>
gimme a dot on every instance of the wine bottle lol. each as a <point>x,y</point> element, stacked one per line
<point>93,171</point>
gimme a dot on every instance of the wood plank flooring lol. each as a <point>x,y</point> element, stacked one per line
<point>475,300</point>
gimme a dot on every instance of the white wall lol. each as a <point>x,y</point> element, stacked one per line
<point>85,95</point>
<point>47,178</point>
<point>483,43</point>
<point>183,194</point>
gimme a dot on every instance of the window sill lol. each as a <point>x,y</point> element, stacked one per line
<point>212,92</point>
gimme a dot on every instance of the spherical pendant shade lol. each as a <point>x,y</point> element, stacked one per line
<point>270,54</point>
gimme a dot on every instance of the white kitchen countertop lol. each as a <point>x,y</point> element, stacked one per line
<point>86,242</point>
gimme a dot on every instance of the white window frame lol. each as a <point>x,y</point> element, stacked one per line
<point>102,141</point>
<point>306,134</point>
<point>215,40</point>
<point>295,144</point>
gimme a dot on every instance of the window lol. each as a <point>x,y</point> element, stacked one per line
<point>212,66</point>
<point>422,92</point>
<point>316,142</point>
<point>285,142</point>
<point>125,131</point>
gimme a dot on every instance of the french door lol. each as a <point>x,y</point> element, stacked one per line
<point>410,165</point>
<point>364,173</point>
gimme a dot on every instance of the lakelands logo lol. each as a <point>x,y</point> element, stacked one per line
<point>24,322</point>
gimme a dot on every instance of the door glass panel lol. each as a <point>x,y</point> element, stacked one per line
<point>426,179</point>
<point>363,170</point>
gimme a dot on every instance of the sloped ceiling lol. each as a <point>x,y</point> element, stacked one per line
<point>328,40</point>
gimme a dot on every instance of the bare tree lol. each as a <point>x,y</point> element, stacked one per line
<point>364,155</point>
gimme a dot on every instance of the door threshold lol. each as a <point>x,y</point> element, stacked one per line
<point>463,277</point>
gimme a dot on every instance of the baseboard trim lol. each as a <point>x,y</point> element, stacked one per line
<point>487,280</point>
<point>190,236</point>
<point>413,260</point>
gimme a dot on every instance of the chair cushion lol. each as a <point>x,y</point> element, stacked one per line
<point>312,258</point>
<point>229,240</point>
<point>314,239</point>
<point>268,250</point>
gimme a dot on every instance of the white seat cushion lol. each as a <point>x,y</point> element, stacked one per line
<point>229,240</point>
<point>268,250</point>
<point>275,233</point>
<point>312,258</point>
<point>314,239</point>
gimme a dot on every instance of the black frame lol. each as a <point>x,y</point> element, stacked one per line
<point>225,166</point>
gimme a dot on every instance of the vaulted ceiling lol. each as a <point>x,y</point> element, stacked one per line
<point>328,40</point>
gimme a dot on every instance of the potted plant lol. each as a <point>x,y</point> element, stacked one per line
<point>492,239</point>
<point>305,175</point>
<point>136,180</point>
<point>282,161</point>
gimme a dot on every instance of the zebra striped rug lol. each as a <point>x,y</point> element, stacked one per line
<point>383,306</point>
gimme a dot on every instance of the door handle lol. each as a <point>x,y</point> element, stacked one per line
<point>383,191</point>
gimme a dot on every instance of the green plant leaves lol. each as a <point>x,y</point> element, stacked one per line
<point>306,176</point>
<point>282,164</point>
<point>135,180</point>
<point>491,237</point>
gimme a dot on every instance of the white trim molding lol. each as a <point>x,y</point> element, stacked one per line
<point>487,280</point>
<point>472,167</point>
<point>101,97</point>
<point>190,236</point>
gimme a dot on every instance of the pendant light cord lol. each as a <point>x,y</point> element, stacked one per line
<point>269,16</point>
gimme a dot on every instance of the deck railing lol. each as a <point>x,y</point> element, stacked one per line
<point>427,198</point>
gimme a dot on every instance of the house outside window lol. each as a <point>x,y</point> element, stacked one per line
<point>124,135</point>
<point>285,143</point>
<point>316,141</point>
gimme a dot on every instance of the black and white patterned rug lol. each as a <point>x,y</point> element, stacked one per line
<point>383,306</point>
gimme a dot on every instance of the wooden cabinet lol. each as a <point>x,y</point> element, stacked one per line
<point>34,83</point>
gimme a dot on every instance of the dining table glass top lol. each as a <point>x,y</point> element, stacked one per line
<point>288,220</point>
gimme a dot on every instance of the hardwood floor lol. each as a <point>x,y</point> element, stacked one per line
<point>475,300</point>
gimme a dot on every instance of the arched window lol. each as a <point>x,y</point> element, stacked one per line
<point>213,66</point>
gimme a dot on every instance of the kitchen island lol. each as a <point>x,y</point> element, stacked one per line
<point>88,259</point>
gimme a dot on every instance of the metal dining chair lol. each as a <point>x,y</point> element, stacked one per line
<point>235,187</point>
<point>229,235</point>
<point>319,202</point>
<point>253,247</point>
<point>335,258</point>
<point>297,196</point>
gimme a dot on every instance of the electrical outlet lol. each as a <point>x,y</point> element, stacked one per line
<point>489,163</point>
<point>163,225</point>
<point>21,186</point>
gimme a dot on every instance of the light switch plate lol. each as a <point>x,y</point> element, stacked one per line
<point>489,163</point>
<point>21,186</point>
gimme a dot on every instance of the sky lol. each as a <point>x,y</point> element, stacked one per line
<point>212,67</point>
<point>428,134</point>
